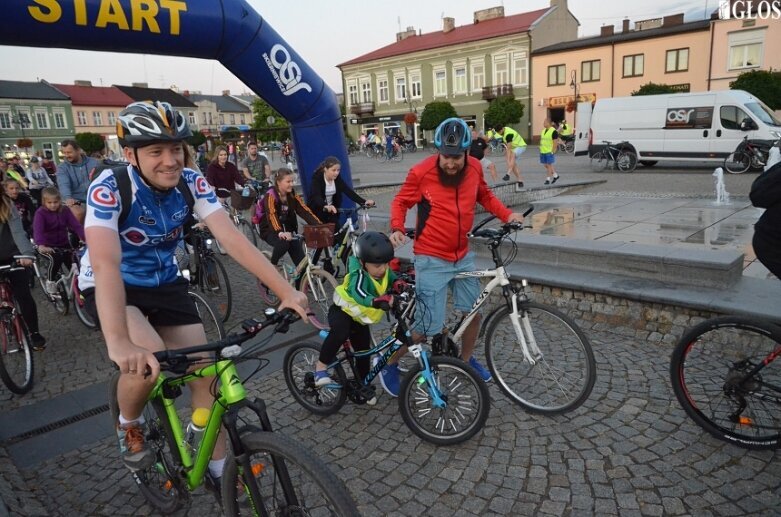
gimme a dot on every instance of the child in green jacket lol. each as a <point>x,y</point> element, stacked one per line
<point>351,314</point>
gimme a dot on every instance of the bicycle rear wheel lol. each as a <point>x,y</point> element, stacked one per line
<point>299,366</point>
<point>599,161</point>
<point>319,287</point>
<point>290,481</point>
<point>626,161</point>
<point>215,285</point>
<point>737,163</point>
<point>707,371</point>
<point>565,371</point>
<point>159,484</point>
<point>16,356</point>
<point>212,324</point>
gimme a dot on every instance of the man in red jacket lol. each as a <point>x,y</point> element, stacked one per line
<point>446,188</point>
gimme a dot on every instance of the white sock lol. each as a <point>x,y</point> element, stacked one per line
<point>125,421</point>
<point>216,467</point>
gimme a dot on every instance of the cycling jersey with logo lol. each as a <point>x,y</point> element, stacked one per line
<point>153,227</point>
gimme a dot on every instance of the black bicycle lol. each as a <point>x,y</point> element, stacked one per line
<point>749,154</point>
<point>619,156</point>
<point>726,374</point>
<point>207,273</point>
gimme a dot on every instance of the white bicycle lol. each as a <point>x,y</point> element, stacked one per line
<point>67,286</point>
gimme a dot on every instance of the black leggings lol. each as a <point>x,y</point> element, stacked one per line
<point>292,248</point>
<point>57,259</point>
<point>20,283</point>
<point>344,327</point>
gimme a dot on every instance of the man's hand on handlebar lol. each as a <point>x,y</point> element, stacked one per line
<point>398,238</point>
<point>515,217</point>
<point>133,359</point>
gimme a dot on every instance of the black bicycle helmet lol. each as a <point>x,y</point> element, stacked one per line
<point>374,247</point>
<point>147,122</point>
<point>453,137</point>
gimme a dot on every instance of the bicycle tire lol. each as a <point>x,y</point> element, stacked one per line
<point>42,267</point>
<point>599,161</point>
<point>569,146</point>
<point>249,232</point>
<point>319,288</point>
<point>563,377</point>
<point>160,486</point>
<point>212,324</point>
<point>61,301</point>
<point>299,366</point>
<point>267,295</point>
<point>737,162</point>
<point>397,156</point>
<point>78,305</point>
<point>216,286</point>
<point>15,340</point>
<point>626,161</point>
<point>468,402</point>
<point>728,347</point>
<point>317,490</point>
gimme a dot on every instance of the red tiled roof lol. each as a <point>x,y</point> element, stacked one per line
<point>94,95</point>
<point>464,34</point>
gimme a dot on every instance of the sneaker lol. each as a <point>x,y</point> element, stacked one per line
<point>556,177</point>
<point>481,370</point>
<point>373,400</point>
<point>322,379</point>
<point>547,181</point>
<point>135,454</point>
<point>520,184</point>
<point>389,378</point>
<point>506,177</point>
<point>38,342</point>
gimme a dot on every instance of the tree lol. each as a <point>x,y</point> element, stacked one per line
<point>763,84</point>
<point>503,111</point>
<point>90,142</point>
<point>262,111</point>
<point>197,139</point>
<point>654,89</point>
<point>434,113</point>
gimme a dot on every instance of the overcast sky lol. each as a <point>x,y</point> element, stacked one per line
<point>323,33</point>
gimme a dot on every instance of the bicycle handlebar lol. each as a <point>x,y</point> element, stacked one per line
<point>355,209</point>
<point>506,228</point>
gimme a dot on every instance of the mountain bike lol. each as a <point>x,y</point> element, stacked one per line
<point>67,289</point>
<point>749,154</point>
<point>207,273</point>
<point>16,356</point>
<point>726,374</point>
<point>265,473</point>
<point>310,279</point>
<point>538,355</point>
<point>618,156</point>
<point>441,399</point>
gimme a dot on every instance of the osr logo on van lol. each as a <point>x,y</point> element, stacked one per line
<point>286,72</point>
<point>750,9</point>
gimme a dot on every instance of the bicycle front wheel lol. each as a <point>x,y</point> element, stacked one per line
<point>465,401</point>
<point>159,484</point>
<point>709,371</point>
<point>289,481</point>
<point>60,299</point>
<point>299,366</point>
<point>212,324</point>
<point>599,161</point>
<point>16,357</point>
<point>626,161</point>
<point>215,286</point>
<point>319,287</point>
<point>564,371</point>
<point>737,163</point>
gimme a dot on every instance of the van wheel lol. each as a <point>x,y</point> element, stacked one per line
<point>649,163</point>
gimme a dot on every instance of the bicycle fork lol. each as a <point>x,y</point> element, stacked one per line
<point>428,376</point>
<point>524,333</point>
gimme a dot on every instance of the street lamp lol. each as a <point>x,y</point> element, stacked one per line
<point>574,85</point>
<point>23,120</point>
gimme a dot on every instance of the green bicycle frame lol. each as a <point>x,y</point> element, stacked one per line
<point>231,391</point>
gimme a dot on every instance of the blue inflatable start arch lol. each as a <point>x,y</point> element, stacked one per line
<point>229,31</point>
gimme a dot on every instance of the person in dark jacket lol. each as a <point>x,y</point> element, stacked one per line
<point>325,197</point>
<point>13,242</point>
<point>277,214</point>
<point>766,193</point>
<point>222,174</point>
<point>50,233</point>
<point>22,202</point>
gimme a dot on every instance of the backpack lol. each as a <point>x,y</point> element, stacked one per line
<point>260,210</point>
<point>114,165</point>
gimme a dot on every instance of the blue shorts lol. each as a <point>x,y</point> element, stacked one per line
<point>547,159</point>
<point>433,277</point>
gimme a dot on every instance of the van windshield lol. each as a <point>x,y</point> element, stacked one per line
<point>763,113</point>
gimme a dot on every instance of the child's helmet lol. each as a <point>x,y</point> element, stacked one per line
<point>374,247</point>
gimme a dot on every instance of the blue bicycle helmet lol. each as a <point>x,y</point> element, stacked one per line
<point>453,137</point>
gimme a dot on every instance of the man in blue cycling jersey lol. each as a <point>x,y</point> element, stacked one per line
<point>129,277</point>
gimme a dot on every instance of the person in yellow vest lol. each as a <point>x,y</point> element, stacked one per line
<point>516,146</point>
<point>549,140</point>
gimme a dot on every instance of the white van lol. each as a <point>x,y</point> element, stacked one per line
<point>694,127</point>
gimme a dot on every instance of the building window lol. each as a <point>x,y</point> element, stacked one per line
<point>383,89</point>
<point>745,56</point>
<point>677,60</point>
<point>242,120</point>
<point>112,118</point>
<point>401,89</point>
<point>556,75</point>
<point>232,118</point>
<point>222,119</point>
<point>366,92</point>
<point>204,118</point>
<point>520,69</point>
<point>97,118</point>
<point>414,85</point>
<point>459,79</point>
<point>440,83</point>
<point>501,72</point>
<point>25,120</point>
<point>5,120</point>
<point>589,71</point>
<point>353,91</point>
<point>59,120</point>
<point>48,150</point>
<point>82,117</point>
<point>478,77</point>
<point>633,65</point>
<point>211,120</point>
<point>190,117</point>
<point>42,119</point>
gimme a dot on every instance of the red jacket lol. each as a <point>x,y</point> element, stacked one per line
<point>445,214</point>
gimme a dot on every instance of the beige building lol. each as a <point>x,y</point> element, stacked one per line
<point>95,109</point>
<point>741,45</point>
